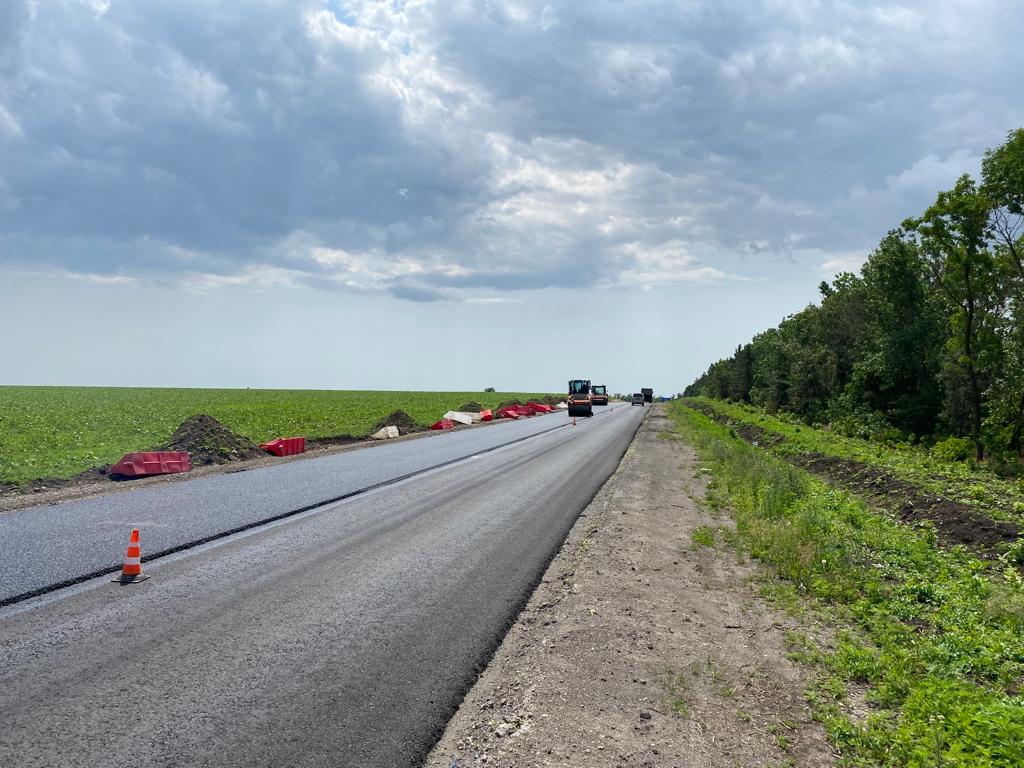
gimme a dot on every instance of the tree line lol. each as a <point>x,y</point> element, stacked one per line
<point>926,342</point>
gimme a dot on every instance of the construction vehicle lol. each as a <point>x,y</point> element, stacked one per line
<point>648,394</point>
<point>599,394</point>
<point>579,401</point>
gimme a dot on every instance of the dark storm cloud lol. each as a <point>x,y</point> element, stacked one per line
<point>432,150</point>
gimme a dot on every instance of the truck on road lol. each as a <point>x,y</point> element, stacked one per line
<point>648,394</point>
<point>580,402</point>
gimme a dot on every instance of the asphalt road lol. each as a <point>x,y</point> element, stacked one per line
<point>343,636</point>
<point>45,546</point>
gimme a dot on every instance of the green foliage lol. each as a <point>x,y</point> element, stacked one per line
<point>953,449</point>
<point>934,635</point>
<point>703,536</point>
<point>60,431</point>
<point>927,340</point>
<point>971,483</point>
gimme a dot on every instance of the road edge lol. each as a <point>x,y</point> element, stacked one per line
<point>573,547</point>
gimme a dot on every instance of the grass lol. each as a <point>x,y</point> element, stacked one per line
<point>935,636</point>
<point>60,431</point>
<point>968,482</point>
<point>703,536</point>
<point>676,686</point>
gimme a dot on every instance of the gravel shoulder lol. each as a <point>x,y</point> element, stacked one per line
<point>639,647</point>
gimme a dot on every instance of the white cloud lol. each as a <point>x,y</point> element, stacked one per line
<point>464,151</point>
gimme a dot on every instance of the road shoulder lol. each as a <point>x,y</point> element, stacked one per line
<point>641,647</point>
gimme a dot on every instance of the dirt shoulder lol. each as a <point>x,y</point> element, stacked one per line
<point>640,648</point>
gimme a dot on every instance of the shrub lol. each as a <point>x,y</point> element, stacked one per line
<point>953,449</point>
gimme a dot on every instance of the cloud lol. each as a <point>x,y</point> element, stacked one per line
<point>433,151</point>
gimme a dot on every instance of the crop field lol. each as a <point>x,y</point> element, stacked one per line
<point>61,431</point>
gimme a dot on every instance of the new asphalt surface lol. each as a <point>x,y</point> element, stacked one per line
<point>342,636</point>
<point>46,546</point>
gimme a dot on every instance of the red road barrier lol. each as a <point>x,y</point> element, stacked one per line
<point>539,407</point>
<point>508,412</point>
<point>443,424</point>
<point>486,416</point>
<point>152,463</point>
<point>285,446</point>
<point>525,410</point>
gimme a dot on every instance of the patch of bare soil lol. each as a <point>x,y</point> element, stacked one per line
<point>955,522</point>
<point>89,477</point>
<point>210,442</point>
<point>639,648</point>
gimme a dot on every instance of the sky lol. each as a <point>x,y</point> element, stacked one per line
<point>454,195</point>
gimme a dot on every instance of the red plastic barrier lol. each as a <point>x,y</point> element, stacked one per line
<point>524,410</point>
<point>508,412</point>
<point>152,463</point>
<point>285,446</point>
<point>443,424</point>
<point>539,407</point>
<point>486,416</point>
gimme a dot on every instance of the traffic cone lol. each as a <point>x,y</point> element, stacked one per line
<point>132,570</point>
<point>574,421</point>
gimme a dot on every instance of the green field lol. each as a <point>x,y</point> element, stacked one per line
<point>60,431</point>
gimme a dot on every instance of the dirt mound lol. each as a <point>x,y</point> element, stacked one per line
<point>210,442</point>
<point>552,400</point>
<point>471,407</point>
<point>406,424</point>
<point>508,403</point>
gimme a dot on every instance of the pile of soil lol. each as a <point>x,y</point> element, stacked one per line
<point>508,403</point>
<point>210,442</point>
<point>471,407</point>
<point>406,424</point>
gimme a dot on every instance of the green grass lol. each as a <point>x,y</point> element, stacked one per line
<point>703,536</point>
<point>967,482</point>
<point>935,636</point>
<point>60,431</point>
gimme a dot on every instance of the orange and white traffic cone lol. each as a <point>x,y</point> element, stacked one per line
<point>574,421</point>
<point>132,570</point>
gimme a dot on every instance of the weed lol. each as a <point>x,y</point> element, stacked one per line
<point>703,536</point>
<point>675,686</point>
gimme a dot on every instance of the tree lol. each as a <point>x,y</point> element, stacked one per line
<point>897,372</point>
<point>1002,173</point>
<point>954,234</point>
